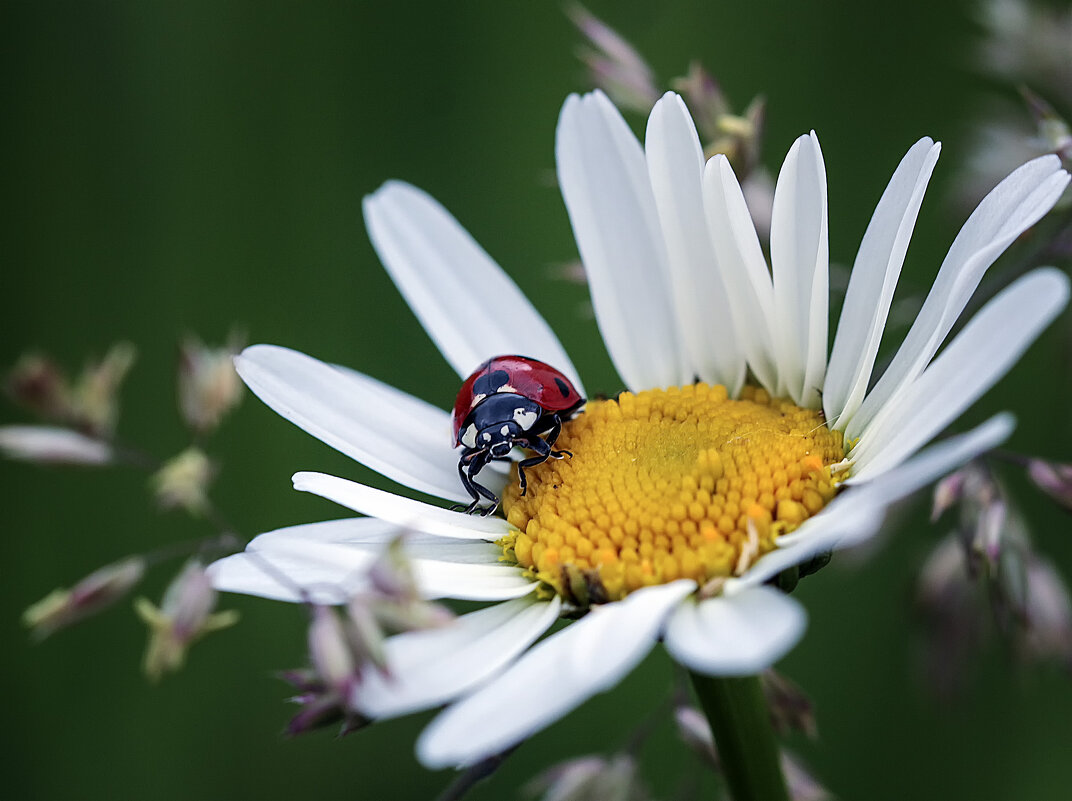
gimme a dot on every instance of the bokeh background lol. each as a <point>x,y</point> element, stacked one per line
<point>185,167</point>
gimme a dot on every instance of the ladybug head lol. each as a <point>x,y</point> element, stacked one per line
<point>497,422</point>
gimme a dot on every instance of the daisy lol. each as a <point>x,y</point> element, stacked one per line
<point>740,449</point>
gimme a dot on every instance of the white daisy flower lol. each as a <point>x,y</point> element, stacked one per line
<point>741,448</point>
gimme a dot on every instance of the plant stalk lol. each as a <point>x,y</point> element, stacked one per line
<point>747,750</point>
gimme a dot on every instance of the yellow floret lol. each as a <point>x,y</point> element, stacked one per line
<point>665,484</point>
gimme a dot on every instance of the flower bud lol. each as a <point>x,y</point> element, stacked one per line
<point>320,706</point>
<point>949,602</point>
<point>411,616</point>
<point>990,527</point>
<point>51,445</point>
<point>572,272</point>
<point>1053,478</point>
<point>695,731</point>
<point>182,483</point>
<point>790,707</point>
<point>97,591</point>
<point>304,680</point>
<point>613,64</point>
<point>705,100</point>
<point>96,394</point>
<point>800,782</point>
<point>183,617</point>
<point>396,604</point>
<point>985,526</point>
<point>1028,43</point>
<point>947,494</point>
<point>1008,586</point>
<point>208,385</point>
<point>331,651</point>
<point>317,711</point>
<point>391,574</point>
<point>1053,129</point>
<point>739,137</point>
<point>590,778</point>
<point>365,634</point>
<point>944,568</point>
<point>90,405</point>
<point>758,189</point>
<point>1048,611</point>
<point>37,383</point>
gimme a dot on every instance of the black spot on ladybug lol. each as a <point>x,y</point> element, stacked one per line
<point>565,390</point>
<point>489,383</point>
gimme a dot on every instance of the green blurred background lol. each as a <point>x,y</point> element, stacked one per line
<point>183,167</point>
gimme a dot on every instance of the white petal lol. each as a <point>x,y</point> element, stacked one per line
<point>742,267</point>
<point>317,572</point>
<point>735,635</point>
<point>604,181</point>
<point>304,562</point>
<point>858,512</point>
<point>368,533</point>
<point>872,282</point>
<point>431,667</point>
<point>429,419</point>
<point>476,582</point>
<point>972,363</point>
<point>395,434</point>
<point>675,166</point>
<point>1012,207</point>
<point>799,261</point>
<point>447,549</point>
<point>587,657</point>
<point>409,514</point>
<point>467,304</point>
<point>940,459</point>
<point>52,445</point>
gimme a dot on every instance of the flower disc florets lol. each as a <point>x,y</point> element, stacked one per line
<point>668,484</point>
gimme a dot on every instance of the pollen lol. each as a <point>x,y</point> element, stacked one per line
<point>666,484</point>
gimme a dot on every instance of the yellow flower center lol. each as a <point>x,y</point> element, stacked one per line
<point>666,484</point>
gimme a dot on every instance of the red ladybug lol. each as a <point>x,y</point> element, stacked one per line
<point>508,401</point>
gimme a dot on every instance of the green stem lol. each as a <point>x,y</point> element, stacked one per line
<point>740,723</point>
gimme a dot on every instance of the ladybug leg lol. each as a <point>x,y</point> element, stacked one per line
<point>461,507</point>
<point>543,451</point>
<point>485,492</point>
<point>468,484</point>
<point>475,489</point>
<point>470,464</point>
<point>554,428</point>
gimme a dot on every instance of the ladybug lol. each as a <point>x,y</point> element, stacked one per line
<point>508,401</point>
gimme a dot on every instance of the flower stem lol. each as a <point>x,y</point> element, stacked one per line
<point>740,722</point>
